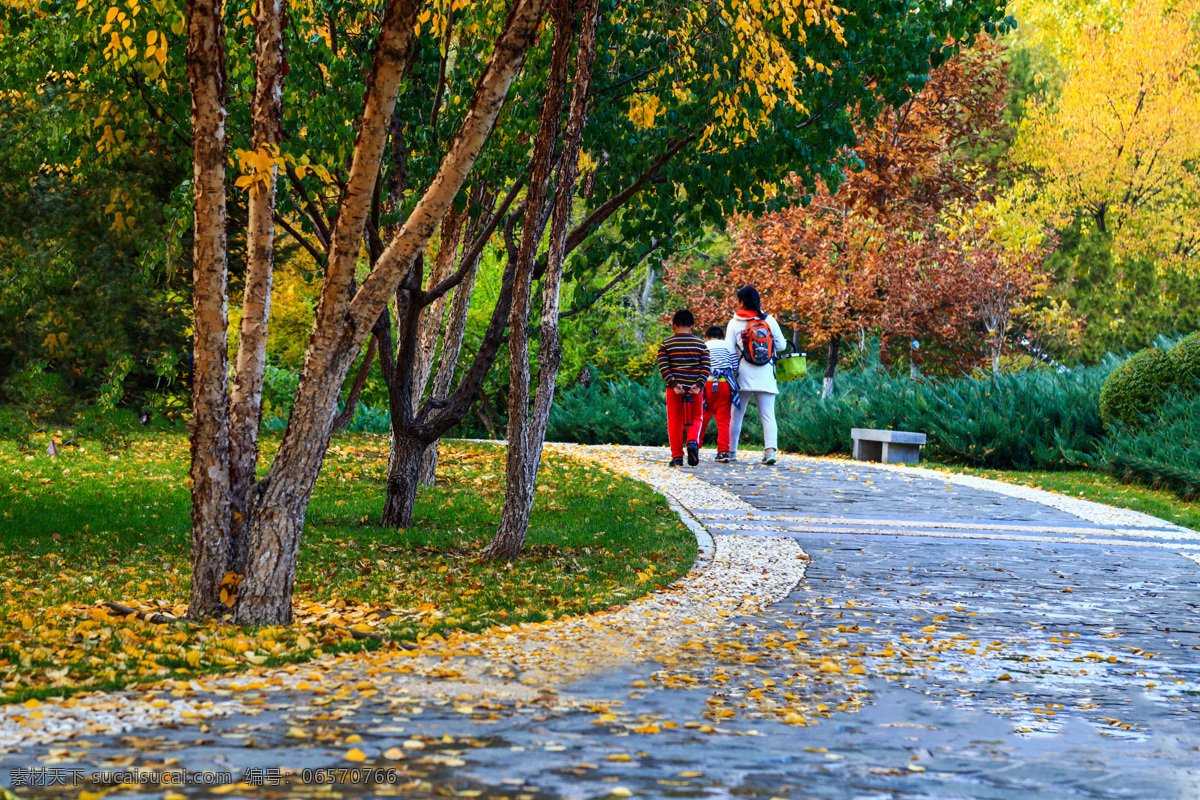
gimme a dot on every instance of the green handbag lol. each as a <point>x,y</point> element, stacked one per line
<point>791,367</point>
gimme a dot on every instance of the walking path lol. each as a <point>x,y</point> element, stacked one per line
<point>951,638</point>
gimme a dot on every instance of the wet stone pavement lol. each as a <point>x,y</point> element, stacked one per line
<point>1004,649</point>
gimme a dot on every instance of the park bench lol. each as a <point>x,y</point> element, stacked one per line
<point>890,447</point>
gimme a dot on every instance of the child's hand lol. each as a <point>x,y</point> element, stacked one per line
<point>678,389</point>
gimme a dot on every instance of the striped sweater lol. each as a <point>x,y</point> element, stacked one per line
<point>683,360</point>
<point>721,357</point>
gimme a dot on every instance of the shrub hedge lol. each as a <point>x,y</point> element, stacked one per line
<point>1036,420</point>
<point>1135,388</point>
<point>1162,451</point>
<point>1186,356</point>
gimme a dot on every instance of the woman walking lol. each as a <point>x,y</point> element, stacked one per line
<point>756,338</point>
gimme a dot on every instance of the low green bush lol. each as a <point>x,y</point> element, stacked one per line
<point>1161,450</point>
<point>1136,387</point>
<point>1186,356</point>
<point>619,411</point>
<point>43,395</point>
<point>1031,420</point>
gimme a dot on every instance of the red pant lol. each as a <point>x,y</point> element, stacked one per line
<point>681,414</point>
<point>717,404</point>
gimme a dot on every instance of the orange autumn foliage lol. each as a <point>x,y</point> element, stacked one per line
<point>883,252</point>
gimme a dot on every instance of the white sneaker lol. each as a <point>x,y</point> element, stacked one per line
<point>769,456</point>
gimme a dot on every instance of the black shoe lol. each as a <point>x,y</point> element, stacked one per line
<point>677,462</point>
<point>693,451</point>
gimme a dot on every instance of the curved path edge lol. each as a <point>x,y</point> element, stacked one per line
<point>732,575</point>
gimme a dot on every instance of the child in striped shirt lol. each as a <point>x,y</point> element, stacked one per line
<point>720,390</point>
<point>684,364</point>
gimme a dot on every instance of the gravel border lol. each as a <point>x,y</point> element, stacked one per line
<point>732,575</point>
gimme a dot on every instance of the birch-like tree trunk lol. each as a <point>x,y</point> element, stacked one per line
<point>527,426</point>
<point>278,508</point>
<point>516,478</point>
<point>433,318</point>
<point>209,426</point>
<point>452,341</point>
<point>831,360</point>
<point>246,394</point>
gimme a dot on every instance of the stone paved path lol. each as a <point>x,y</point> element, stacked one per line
<point>1015,650</point>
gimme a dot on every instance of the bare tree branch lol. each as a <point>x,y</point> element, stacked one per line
<point>301,239</point>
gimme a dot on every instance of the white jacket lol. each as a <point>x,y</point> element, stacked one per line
<point>752,378</point>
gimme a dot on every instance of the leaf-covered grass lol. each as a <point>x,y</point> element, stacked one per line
<point>1098,486</point>
<point>90,526</point>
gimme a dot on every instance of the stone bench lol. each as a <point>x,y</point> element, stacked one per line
<point>890,447</point>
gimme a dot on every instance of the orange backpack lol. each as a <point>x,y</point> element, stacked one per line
<point>758,343</point>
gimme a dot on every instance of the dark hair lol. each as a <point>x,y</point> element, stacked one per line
<point>683,319</point>
<point>714,332</point>
<point>750,299</point>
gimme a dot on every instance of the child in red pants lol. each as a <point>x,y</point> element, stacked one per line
<point>683,363</point>
<point>720,390</point>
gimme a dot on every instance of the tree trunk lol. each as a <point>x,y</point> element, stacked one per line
<point>343,420</point>
<point>404,463</point>
<point>831,366</point>
<point>339,331</point>
<point>433,318</point>
<point>647,289</point>
<point>209,427</point>
<point>403,471</point>
<point>452,341</point>
<point>246,395</point>
<point>519,483</point>
<point>433,322</point>
<point>526,439</point>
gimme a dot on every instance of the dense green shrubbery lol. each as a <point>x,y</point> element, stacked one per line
<point>1030,420</point>
<point>1161,451</point>
<point>1135,388</point>
<point>1186,356</point>
<point>42,394</point>
<point>613,412</point>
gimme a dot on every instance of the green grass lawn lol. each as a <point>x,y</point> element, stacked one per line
<point>94,525</point>
<point>1098,486</point>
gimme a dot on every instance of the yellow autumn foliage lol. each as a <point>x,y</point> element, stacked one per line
<point>1120,143</point>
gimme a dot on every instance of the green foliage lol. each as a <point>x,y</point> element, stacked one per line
<point>1040,419</point>
<point>1019,420</point>
<point>41,395</point>
<point>1136,387</point>
<point>1032,420</point>
<point>91,236</point>
<point>1186,357</point>
<point>619,411</point>
<point>1160,450</point>
<point>1125,303</point>
<point>279,388</point>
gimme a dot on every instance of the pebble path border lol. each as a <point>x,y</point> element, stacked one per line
<point>733,574</point>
